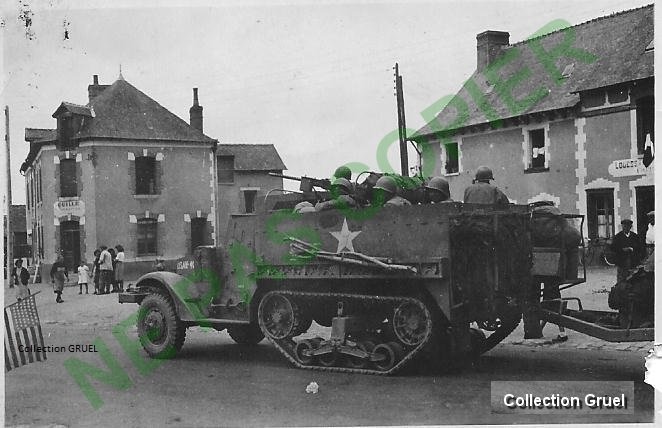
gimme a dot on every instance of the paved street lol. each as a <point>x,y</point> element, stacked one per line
<point>215,382</point>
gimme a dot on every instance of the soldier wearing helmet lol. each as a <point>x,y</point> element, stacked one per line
<point>385,191</point>
<point>437,190</point>
<point>482,192</point>
<point>343,172</point>
<point>341,191</point>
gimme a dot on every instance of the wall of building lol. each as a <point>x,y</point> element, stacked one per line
<point>231,199</point>
<point>185,174</point>
<point>504,151</point>
<point>580,152</point>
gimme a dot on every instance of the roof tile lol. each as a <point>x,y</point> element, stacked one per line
<point>617,44</point>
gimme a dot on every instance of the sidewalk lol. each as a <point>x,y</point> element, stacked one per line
<point>593,294</point>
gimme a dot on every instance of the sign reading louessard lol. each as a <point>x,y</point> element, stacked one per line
<point>628,167</point>
<point>64,208</point>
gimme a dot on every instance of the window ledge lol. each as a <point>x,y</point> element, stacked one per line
<point>451,174</point>
<point>226,183</point>
<point>535,170</point>
<point>146,196</point>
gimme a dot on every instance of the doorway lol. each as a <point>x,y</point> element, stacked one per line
<point>645,204</point>
<point>70,243</point>
<point>199,232</point>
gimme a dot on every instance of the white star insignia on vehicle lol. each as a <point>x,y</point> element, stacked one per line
<point>345,237</point>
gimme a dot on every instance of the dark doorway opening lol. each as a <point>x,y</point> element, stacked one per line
<point>70,243</point>
<point>199,232</point>
<point>645,204</point>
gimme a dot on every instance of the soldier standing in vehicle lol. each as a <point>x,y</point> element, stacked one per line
<point>385,191</point>
<point>343,172</point>
<point>341,190</point>
<point>482,192</point>
<point>628,249</point>
<point>437,190</point>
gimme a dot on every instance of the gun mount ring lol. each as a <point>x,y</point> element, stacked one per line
<point>411,323</point>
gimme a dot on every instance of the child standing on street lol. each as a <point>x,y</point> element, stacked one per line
<point>83,277</point>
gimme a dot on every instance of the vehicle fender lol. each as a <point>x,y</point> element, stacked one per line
<point>189,303</point>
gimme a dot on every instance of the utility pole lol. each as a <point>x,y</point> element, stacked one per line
<point>402,127</point>
<point>9,231</point>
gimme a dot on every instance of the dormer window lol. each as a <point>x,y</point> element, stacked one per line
<point>65,130</point>
<point>70,118</point>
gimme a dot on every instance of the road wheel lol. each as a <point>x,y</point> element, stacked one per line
<point>392,353</point>
<point>160,331</point>
<point>246,334</point>
<point>301,349</point>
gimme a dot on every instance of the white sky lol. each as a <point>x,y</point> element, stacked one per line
<point>313,78</point>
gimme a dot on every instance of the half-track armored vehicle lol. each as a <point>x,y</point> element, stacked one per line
<point>366,290</point>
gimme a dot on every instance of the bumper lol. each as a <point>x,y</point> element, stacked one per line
<point>131,297</point>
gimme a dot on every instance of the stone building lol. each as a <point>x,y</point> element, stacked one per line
<point>565,116</point>
<point>122,169</point>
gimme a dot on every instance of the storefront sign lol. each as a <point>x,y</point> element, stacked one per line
<point>69,207</point>
<point>629,167</point>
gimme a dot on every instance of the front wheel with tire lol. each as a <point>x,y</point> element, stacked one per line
<point>160,330</point>
<point>246,334</point>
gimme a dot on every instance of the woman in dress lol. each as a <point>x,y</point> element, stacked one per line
<point>58,274</point>
<point>119,267</point>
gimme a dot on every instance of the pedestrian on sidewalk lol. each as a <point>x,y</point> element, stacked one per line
<point>58,274</point>
<point>113,281</point>
<point>83,277</point>
<point>119,267</point>
<point>14,274</point>
<point>106,270</point>
<point>23,277</point>
<point>95,271</point>
<point>628,249</point>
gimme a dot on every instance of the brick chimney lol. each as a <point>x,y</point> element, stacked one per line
<point>489,46</point>
<point>195,112</point>
<point>95,89</point>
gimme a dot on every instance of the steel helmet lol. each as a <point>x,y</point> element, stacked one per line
<point>484,173</point>
<point>343,172</point>
<point>387,184</point>
<point>344,184</point>
<point>440,184</point>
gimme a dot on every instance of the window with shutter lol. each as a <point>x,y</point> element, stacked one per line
<point>68,179</point>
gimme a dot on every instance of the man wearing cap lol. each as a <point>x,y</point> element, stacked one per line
<point>628,249</point>
<point>482,192</point>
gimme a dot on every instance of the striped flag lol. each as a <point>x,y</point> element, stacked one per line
<point>649,151</point>
<point>23,334</point>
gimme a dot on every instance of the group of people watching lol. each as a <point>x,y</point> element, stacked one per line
<point>107,271</point>
<point>388,192</point>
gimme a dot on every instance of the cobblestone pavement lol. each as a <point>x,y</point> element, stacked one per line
<point>593,295</point>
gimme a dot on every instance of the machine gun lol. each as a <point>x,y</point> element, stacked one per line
<point>307,185</point>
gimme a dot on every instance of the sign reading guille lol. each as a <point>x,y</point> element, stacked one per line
<point>629,167</point>
<point>70,206</point>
